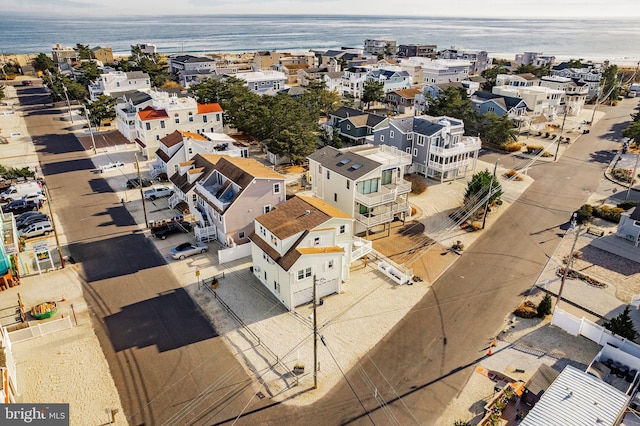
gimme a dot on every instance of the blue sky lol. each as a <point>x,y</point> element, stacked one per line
<point>462,8</point>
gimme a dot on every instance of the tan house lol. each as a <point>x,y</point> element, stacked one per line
<point>102,54</point>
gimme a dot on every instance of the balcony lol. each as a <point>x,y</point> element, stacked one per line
<point>387,194</point>
<point>206,193</point>
<point>455,165</point>
<point>10,234</point>
<point>468,144</point>
<point>383,216</point>
<point>361,247</point>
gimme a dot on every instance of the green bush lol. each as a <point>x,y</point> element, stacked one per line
<point>418,184</point>
<point>609,213</point>
<point>584,213</point>
<point>626,205</point>
<point>544,308</point>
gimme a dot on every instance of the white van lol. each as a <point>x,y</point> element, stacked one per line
<point>17,191</point>
<point>37,229</point>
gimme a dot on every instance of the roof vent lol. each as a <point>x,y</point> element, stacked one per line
<point>355,166</point>
<point>307,212</point>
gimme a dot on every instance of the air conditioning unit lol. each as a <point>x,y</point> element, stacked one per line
<point>256,268</point>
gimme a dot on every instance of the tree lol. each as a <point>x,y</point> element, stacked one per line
<point>318,97</point>
<point>101,109</point>
<point>610,83</point>
<point>83,51</point>
<point>43,63</point>
<point>632,131</point>
<point>490,74</point>
<point>622,325</point>
<point>373,91</point>
<point>90,72</point>
<point>455,103</point>
<point>57,84</point>
<point>537,71</point>
<point>496,130</point>
<point>478,188</point>
<point>575,63</point>
<point>544,308</point>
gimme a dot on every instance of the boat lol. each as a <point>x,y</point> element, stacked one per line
<point>44,310</point>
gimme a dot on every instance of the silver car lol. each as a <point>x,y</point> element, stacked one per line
<point>188,249</point>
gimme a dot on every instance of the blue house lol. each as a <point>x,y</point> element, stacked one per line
<point>512,107</point>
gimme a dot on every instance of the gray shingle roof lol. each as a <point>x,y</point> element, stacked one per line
<point>346,163</point>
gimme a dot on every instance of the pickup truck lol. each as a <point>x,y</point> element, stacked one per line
<point>157,192</point>
<point>168,228</point>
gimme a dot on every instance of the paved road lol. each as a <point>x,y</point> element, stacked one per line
<point>163,354</point>
<point>167,362</point>
<point>410,376</point>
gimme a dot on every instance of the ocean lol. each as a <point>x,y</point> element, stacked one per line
<point>615,39</point>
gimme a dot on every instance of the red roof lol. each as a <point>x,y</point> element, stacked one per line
<point>207,108</point>
<point>139,142</point>
<point>152,114</point>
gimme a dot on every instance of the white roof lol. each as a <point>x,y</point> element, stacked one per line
<point>576,398</point>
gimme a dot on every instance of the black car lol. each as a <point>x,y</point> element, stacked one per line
<point>135,183</point>
<point>20,206</point>
<point>24,221</point>
<point>168,228</point>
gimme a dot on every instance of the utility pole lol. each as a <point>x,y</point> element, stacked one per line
<point>486,206</point>
<point>315,336</point>
<point>555,158</point>
<point>570,260</point>
<point>144,205</point>
<point>93,141</point>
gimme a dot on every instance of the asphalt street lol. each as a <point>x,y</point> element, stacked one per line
<point>166,359</point>
<point>168,363</point>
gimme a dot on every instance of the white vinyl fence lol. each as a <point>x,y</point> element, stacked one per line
<point>592,331</point>
<point>40,329</point>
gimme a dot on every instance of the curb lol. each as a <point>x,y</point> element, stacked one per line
<point>610,167</point>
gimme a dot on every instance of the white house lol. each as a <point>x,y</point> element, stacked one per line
<point>179,146</point>
<point>575,92</point>
<point>541,100</point>
<point>302,243</point>
<point>366,182</point>
<point>165,114</point>
<point>116,82</point>
<point>263,82</point>
<point>353,80</point>
<point>587,74</point>
<point>390,79</point>
<point>517,80</point>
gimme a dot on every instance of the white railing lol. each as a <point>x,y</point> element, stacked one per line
<point>206,193</point>
<point>361,247</point>
<point>387,194</point>
<point>467,145</point>
<point>38,330</point>
<point>176,199</point>
<point>434,165</point>
<point>205,233</point>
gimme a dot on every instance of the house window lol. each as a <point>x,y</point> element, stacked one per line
<point>276,287</point>
<point>176,119</point>
<point>301,274</point>
<point>408,150</point>
<point>304,273</point>
<point>157,137</point>
<point>241,234</point>
<point>348,127</point>
<point>387,176</point>
<point>217,118</point>
<point>335,197</point>
<point>274,240</point>
<point>391,134</point>
<point>330,264</point>
<point>342,229</point>
<point>255,86</point>
<point>328,174</point>
<point>204,118</point>
<point>367,186</point>
<point>162,124</point>
<point>190,117</point>
<point>307,272</point>
<point>266,209</point>
<point>316,241</point>
<point>190,150</point>
<point>194,198</point>
<point>410,136</point>
<point>148,126</point>
<point>381,138</point>
<point>420,140</point>
<point>276,188</point>
<point>213,130</point>
<point>415,152</point>
<point>175,168</point>
<point>348,184</point>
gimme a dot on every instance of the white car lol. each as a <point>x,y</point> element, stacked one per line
<point>110,166</point>
<point>37,229</point>
<point>36,197</point>
<point>157,192</point>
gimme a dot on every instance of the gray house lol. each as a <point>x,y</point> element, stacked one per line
<point>356,125</point>
<point>437,145</point>
<point>512,107</point>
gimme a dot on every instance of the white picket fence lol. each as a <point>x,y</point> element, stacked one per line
<point>592,331</point>
<point>39,329</point>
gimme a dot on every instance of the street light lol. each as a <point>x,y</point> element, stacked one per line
<point>68,103</point>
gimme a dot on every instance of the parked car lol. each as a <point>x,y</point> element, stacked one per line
<point>24,216</point>
<point>20,206</point>
<point>135,183</point>
<point>109,166</point>
<point>36,229</point>
<point>29,220</point>
<point>168,228</point>
<point>37,198</point>
<point>157,192</point>
<point>188,249</point>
